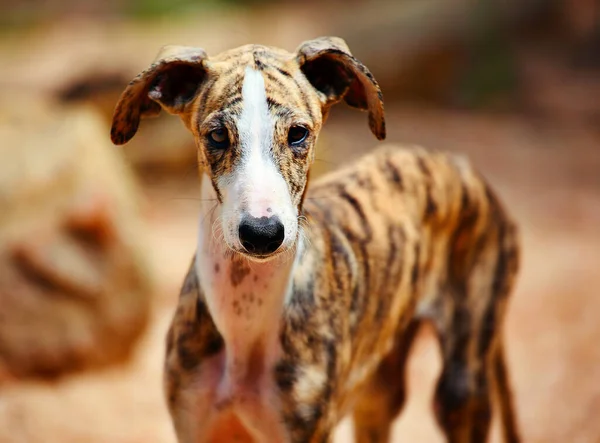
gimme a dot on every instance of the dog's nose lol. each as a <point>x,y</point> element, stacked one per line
<point>262,235</point>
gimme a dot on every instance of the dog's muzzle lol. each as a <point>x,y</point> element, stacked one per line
<point>261,236</point>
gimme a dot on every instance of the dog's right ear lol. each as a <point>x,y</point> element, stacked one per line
<point>170,83</point>
<point>336,74</point>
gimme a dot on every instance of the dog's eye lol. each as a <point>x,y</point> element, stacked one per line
<point>296,135</point>
<point>219,138</point>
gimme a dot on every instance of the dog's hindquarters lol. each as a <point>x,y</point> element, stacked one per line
<point>469,314</point>
<point>465,270</point>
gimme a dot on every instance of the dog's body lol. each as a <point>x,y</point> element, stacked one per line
<point>281,331</point>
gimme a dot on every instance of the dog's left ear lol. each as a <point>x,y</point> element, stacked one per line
<point>330,67</point>
<point>170,83</point>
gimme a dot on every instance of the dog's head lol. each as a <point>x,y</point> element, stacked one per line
<point>255,113</point>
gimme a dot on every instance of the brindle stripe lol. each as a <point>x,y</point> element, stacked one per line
<point>364,258</point>
<point>190,284</point>
<point>277,106</point>
<point>170,341</point>
<point>230,93</point>
<point>186,344</point>
<point>214,343</point>
<point>301,428</point>
<point>393,174</point>
<point>507,414</point>
<point>431,206</point>
<point>212,340</point>
<point>331,353</point>
<point>307,104</point>
<point>233,101</point>
<point>258,63</point>
<point>173,382</point>
<point>336,283</point>
<point>366,184</point>
<point>286,375</point>
<point>283,72</point>
<point>459,265</point>
<point>305,291</point>
<point>22,264</point>
<point>210,82</point>
<point>362,254</point>
<point>301,424</point>
<point>339,274</point>
<point>229,71</point>
<point>215,188</point>
<point>487,328</point>
<point>229,56</point>
<point>461,334</point>
<point>499,284</point>
<point>423,167</point>
<point>301,204</point>
<point>285,338</point>
<point>366,227</point>
<point>281,85</point>
<point>414,275</point>
<point>341,256</point>
<point>397,237</point>
<point>282,88</point>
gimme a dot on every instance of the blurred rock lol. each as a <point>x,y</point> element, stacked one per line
<point>75,286</point>
<point>163,144</point>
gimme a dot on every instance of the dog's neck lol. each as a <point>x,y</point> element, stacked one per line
<point>245,299</point>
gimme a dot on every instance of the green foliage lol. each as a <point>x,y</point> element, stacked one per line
<point>490,76</point>
<point>158,8</point>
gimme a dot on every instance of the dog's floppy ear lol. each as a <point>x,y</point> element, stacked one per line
<point>330,67</point>
<point>171,82</point>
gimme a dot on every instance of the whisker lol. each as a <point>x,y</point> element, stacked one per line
<point>304,225</point>
<point>321,198</point>
<point>328,162</point>
<point>195,199</point>
<point>217,229</point>
<point>209,212</point>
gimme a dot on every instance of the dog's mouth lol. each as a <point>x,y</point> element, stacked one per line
<point>263,257</point>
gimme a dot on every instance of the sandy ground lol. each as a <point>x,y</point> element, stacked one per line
<point>549,176</point>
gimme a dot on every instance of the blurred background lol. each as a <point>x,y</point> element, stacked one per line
<point>95,239</point>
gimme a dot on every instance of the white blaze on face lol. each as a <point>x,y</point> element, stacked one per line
<point>256,186</point>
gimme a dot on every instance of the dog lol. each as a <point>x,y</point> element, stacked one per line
<point>300,307</point>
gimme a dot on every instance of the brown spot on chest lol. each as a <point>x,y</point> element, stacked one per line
<point>238,272</point>
<point>237,308</point>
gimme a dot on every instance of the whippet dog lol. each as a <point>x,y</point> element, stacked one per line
<point>300,305</point>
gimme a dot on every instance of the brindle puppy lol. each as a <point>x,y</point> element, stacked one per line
<point>297,311</point>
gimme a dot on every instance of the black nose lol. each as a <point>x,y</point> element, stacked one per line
<point>262,235</point>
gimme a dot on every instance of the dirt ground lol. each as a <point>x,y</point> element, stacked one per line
<point>548,175</point>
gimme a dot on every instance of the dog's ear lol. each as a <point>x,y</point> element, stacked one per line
<point>171,83</point>
<point>330,67</point>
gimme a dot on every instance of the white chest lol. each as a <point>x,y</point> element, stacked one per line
<point>236,388</point>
